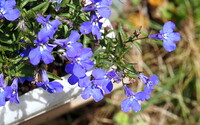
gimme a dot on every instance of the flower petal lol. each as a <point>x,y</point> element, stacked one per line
<point>35,56</point>
<point>168,27</point>
<point>169,45</point>
<point>12,14</point>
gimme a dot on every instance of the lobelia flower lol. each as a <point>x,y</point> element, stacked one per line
<point>101,6</point>
<point>41,52</point>
<point>51,87</point>
<point>7,11</point>
<point>13,95</point>
<point>49,28</point>
<point>103,79</point>
<point>2,91</point>
<point>93,26</point>
<point>70,44</point>
<point>168,36</point>
<point>57,6</point>
<point>149,82</point>
<point>81,62</point>
<point>94,91</point>
<point>132,101</point>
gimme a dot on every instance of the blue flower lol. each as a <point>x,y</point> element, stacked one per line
<point>168,36</point>
<point>103,79</point>
<point>51,87</point>
<point>81,62</point>
<point>93,26</point>
<point>57,6</point>
<point>70,44</point>
<point>149,82</point>
<point>49,28</point>
<point>2,91</point>
<point>132,101</point>
<point>93,91</point>
<point>101,6</point>
<point>41,52</point>
<point>13,89</point>
<point>7,11</point>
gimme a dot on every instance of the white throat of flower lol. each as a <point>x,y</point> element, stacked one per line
<point>165,36</point>
<point>42,48</point>
<point>2,11</point>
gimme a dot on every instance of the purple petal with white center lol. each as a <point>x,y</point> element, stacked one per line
<point>154,79</point>
<point>55,24</point>
<point>87,64</point>
<point>104,12</point>
<point>86,27</point>
<point>168,27</point>
<point>46,56</point>
<point>35,56</point>
<point>135,105</point>
<point>12,14</point>
<point>73,49</point>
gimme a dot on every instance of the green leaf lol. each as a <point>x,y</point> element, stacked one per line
<point>138,46</point>
<point>41,8</point>
<point>53,76</point>
<point>24,2</point>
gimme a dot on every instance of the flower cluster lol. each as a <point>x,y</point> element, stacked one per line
<point>89,56</point>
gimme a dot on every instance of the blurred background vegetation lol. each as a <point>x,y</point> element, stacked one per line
<point>175,101</point>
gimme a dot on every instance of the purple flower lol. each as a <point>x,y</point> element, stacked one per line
<point>13,89</point>
<point>92,26</point>
<point>49,28</point>
<point>51,87</point>
<point>103,79</point>
<point>7,11</point>
<point>132,101</point>
<point>93,91</point>
<point>101,6</point>
<point>57,6</point>
<point>82,81</point>
<point>81,62</point>
<point>2,91</point>
<point>70,44</point>
<point>149,82</point>
<point>168,36</point>
<point>41,52</point>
